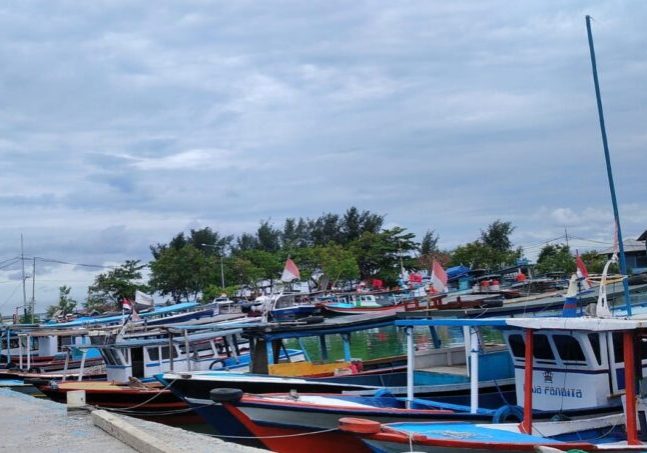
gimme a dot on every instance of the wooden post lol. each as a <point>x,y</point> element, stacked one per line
<point>526,424</point>
<point>630,387</point>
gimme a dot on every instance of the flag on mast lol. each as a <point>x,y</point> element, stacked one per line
<point>438,277</point>
<point>126,304</point>
<point>582,272</point>
<point>290,271</point>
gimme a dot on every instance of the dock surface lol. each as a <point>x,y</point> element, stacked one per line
<point>37,425</point>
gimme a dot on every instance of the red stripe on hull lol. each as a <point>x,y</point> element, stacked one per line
<point>333,441</point>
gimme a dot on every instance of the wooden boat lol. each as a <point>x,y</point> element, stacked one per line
<point>364,303</point>
<point>143,400</point>
<point>481,438</point>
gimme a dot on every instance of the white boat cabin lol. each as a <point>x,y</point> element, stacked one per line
<point>146,357</point>
<point>572,369</point>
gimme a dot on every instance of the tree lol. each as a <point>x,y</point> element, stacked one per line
<point>497,236</point>
<point>66,304</point>
<point>492,251</point>
<point>555,258</point>
<point>337,263</point>
<point>110,288</point>
<point>429,243</point>
<point>594,262</point>
<point>379,254</point>
<point>183,273</point>
<point>268,238</point>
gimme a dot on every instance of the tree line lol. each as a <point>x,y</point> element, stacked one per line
<point>330,250</point>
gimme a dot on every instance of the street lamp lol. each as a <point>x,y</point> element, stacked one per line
<point>222,269</point>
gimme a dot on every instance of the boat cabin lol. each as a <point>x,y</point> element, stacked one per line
<point>146,356</point>
<point>572,369</point>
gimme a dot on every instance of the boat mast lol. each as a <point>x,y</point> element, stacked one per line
<point>623,264</point>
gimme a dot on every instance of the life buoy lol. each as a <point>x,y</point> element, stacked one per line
<point>507,413</point>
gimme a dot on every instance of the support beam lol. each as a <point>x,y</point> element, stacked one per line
<point>526,424</point>
<point>82,367</point>
<point>474,370</point>
<point>411,364</point>
<point>323,347</point>
<point>435,338</point>
<point>346,343</point>
<point>630,387</point>
<point>187,351</point>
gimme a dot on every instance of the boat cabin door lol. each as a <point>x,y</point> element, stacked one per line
<point>137,362</point>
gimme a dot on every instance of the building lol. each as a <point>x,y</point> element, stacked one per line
<point>635,254</point>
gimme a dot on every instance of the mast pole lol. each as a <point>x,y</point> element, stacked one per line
<point>623,264</point>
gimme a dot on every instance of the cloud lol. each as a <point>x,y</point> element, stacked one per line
<point>123,124</point>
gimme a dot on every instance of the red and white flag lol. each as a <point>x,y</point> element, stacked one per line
<point>290,271</point>
<point>438,277</point>
<point>126,304</point>
<point>581,271</point>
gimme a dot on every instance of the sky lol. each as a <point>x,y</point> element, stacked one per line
<point>123,123</point>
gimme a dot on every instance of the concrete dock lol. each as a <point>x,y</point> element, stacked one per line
<point>37,425</point>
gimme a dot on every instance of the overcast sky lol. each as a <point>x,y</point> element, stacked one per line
<point>123,123</point>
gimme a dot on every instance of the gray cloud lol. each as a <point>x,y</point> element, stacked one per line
<point>122,124</point>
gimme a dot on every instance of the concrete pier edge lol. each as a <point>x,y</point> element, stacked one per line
<point>143,442</point>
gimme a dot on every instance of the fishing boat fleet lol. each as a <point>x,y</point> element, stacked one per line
<point>559,369</point>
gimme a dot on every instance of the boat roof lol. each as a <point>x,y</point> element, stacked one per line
<point>330,326</point>
<point>554,323</point>
<point>134,343</point>
<point>86,320</point>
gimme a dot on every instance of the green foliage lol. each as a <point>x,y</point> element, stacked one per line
<point>111,287</point>
<point>492,251</point>
<point>205,239</point>
<point>497,236</point>
<point>378,254</point>
<point>213,291</point>
<point>337,263</point>
<point>66,304</point>
<point>594,262</point>
<point>183,273</point>
<point>429,243</point>
<point>555,258</point>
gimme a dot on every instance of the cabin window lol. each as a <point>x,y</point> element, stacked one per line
<point>542,349</point>
<point>569,348</point>
<point>165,354</point>
<point>112,357</point>
<point>517,345</point>
<point>153,353</point>
<point>594,338</point>
<point>618,347</point>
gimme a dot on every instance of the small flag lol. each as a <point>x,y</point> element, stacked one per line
<point>377,283</point>
<point>438,277</point>
<point>290,271</point>
<point>582,273</point>
<point>126,304</point>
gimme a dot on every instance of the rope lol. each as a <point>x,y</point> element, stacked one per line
<point>148,400</point>
<point>311,433</point>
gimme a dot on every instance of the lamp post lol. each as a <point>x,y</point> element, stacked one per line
<point>222,268</point>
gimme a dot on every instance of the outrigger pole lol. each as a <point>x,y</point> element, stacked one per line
<point>623,264</point>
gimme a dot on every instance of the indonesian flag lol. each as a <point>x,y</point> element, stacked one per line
<point>582,273</point>
<point>290,271</point>
<point>438,277</point>
<point>126,304</point>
